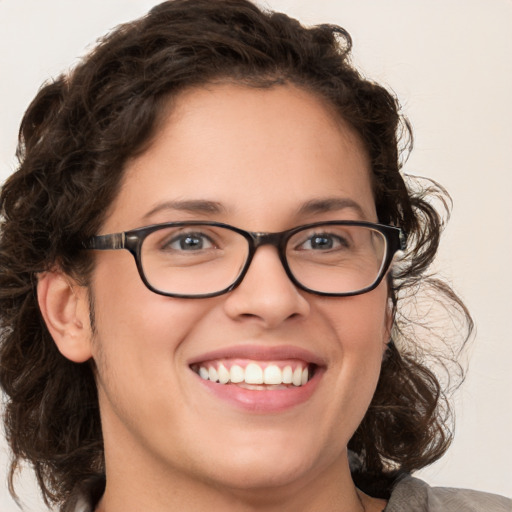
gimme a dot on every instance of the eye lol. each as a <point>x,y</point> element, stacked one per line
<point>323,242</point>
<point>195,241</point>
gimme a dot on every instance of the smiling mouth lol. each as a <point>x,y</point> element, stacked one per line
<point>256,375</point>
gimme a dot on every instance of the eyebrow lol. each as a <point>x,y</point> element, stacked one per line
<point>312,207</point>
<point>329,204</point>
<point>190,205</point>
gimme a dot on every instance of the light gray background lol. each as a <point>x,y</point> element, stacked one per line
<point>450,63</point>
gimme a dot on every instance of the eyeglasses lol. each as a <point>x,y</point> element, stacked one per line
<point>206,259</point>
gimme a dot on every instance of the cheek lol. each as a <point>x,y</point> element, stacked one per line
<point>139,353</point>
<point>360,328</point>
<point>138,332</point>
<point>361,323</point>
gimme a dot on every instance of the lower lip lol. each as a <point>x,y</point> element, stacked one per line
<point>264,400</point>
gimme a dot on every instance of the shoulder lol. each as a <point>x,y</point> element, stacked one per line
<point>413,495</point>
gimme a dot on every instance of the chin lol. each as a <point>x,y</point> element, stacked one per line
<point>271,464</point>
<point>258,475</point>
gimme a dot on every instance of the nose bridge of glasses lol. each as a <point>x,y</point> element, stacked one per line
<point>260,238</point>
<point>276,240</point>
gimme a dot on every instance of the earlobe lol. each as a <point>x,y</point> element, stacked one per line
<point>65,309</point>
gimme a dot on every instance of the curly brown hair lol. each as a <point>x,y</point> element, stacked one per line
<point>75,138</point>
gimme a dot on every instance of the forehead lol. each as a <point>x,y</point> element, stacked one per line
<point>248,150</point>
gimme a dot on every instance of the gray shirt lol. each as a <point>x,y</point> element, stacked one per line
<point>409,495</point>
<point>413,495</point>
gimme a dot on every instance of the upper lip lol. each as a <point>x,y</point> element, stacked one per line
<point>260,353</point>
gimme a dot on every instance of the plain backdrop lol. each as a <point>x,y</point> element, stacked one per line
<point>450,64</point>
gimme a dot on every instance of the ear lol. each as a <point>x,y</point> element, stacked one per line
<point>388,323</point>
<point>65,308</point>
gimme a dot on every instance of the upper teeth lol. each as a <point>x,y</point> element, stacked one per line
<point>253,373</point>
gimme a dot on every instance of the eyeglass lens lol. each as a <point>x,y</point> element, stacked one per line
<point>204,259</point>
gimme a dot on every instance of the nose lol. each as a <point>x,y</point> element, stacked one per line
<point>266,294</point>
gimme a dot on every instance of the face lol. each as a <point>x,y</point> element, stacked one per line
<point>251,158</point>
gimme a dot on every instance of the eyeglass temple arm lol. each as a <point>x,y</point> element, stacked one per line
<point>105,242</point>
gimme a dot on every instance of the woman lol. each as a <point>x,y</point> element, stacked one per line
<point>245,355</point>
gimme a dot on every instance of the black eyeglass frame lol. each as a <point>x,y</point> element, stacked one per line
<point>396,240</point>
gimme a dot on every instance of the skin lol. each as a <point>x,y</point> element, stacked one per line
<point>170,444</point>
